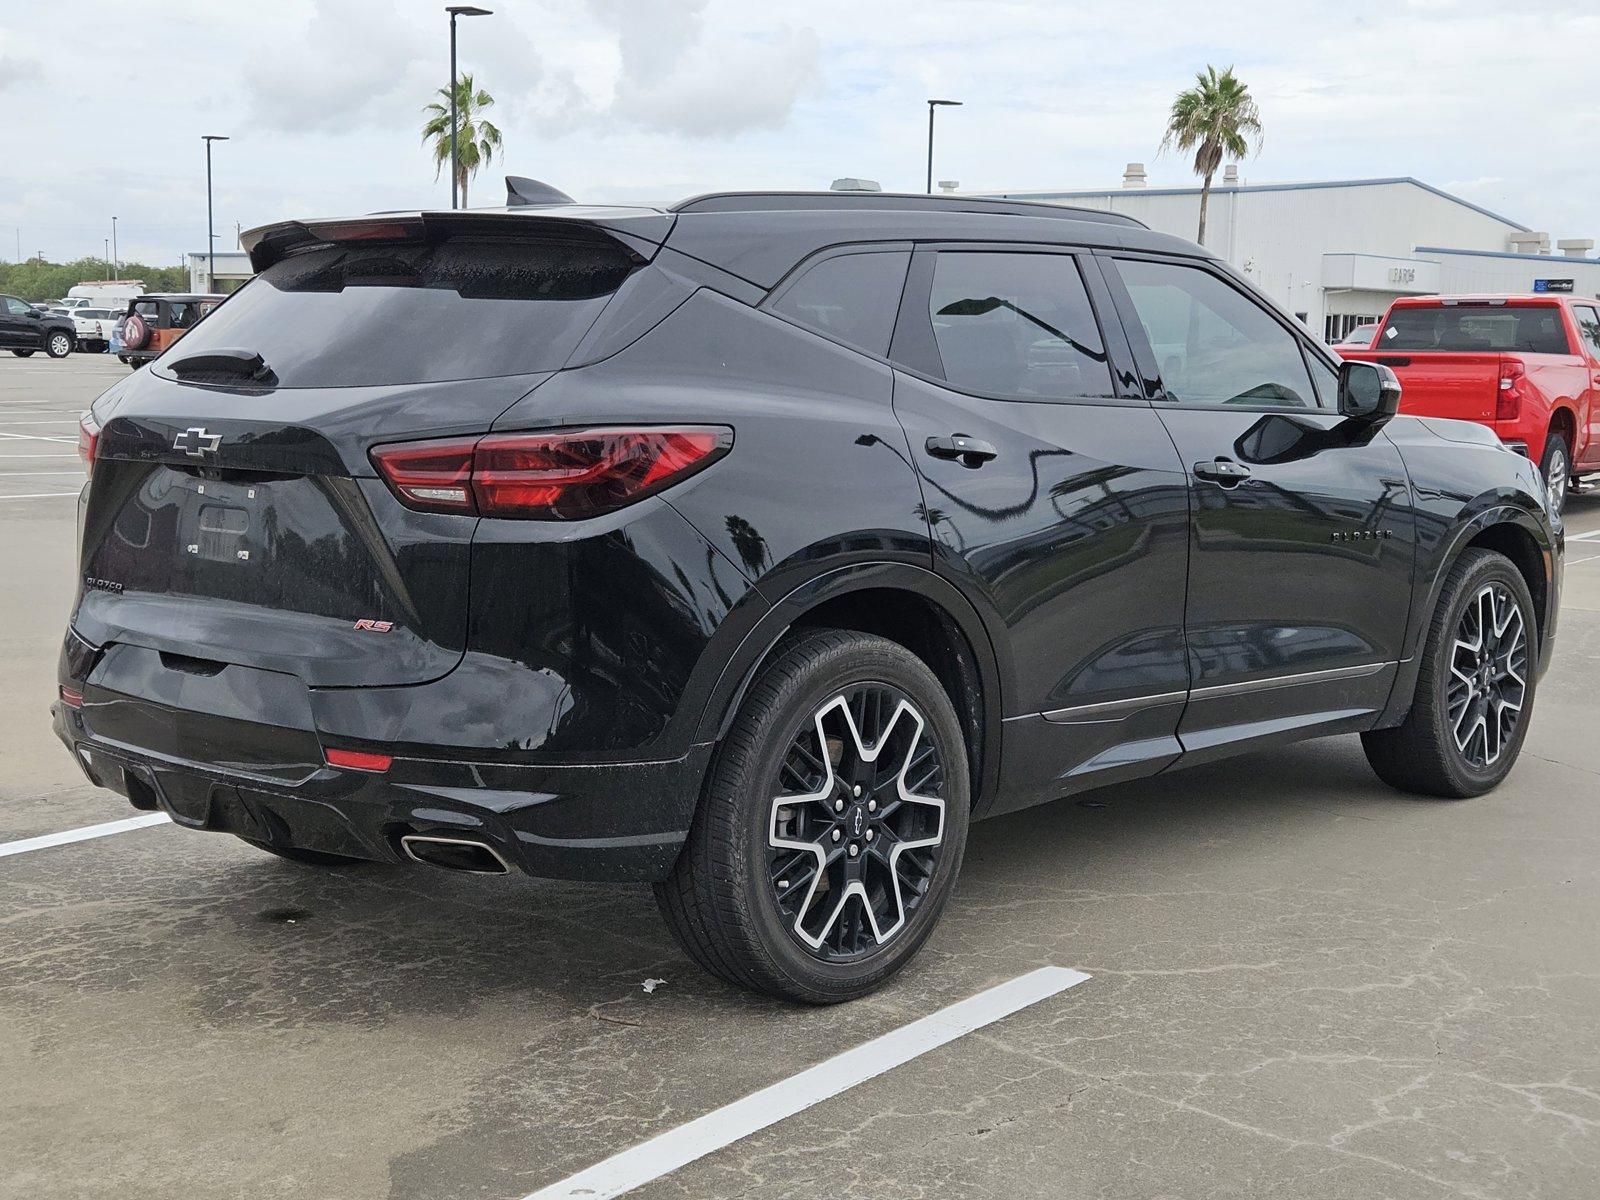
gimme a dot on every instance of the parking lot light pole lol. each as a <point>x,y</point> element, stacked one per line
<point>933,104</point>
<point>211,237</point>
<point>116,263</point>
<point>457,10</point>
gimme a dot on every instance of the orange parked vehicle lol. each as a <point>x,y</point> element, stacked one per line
<point>1528,367</point>
<point>154,321</point>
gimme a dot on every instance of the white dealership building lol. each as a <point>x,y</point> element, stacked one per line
<point>1336,252</point>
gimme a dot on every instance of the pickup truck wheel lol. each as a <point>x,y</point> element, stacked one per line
<point>832,825</point>
<point>1475,687</point>
<point>23,353</point>
<point>1557,470</point>
<point>58,345</point>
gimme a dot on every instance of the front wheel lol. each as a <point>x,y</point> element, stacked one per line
<point>23,353</point>
<point>1474,688</point>
<point>832,827</point>
<point>58,345</point>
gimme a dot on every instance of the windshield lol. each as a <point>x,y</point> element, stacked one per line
<point>343,316</point>
<point>1465,328</point>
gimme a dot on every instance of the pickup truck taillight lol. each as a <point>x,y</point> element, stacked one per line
<point>1508,402</point>
<point>561,475</point>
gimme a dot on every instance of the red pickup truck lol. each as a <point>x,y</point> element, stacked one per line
<point>1528,367</point>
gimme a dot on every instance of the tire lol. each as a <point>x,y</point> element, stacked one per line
<point>734,900</point>
<point>308,858</point>
<point>1557,471</point>
<point>58,345</point>
<point>1426,755</point>
<point>135,333</point>
<point>23,353</point>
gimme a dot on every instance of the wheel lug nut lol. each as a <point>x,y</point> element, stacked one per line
<point>838,806</point>
<point>872,806</point>
<point>869,835</point>
<point>837,836</point>
<point>854,849</point>
<point>856,791</point>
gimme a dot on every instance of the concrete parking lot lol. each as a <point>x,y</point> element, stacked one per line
<point>1302,984</point>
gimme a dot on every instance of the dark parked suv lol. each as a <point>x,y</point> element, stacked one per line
<point>754,546</point>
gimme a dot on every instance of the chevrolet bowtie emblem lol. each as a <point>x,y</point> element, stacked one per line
<point>195,441</point>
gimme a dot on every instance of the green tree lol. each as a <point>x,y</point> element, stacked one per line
<point>476,138</point>
<point>1217,119</point>
<point>37,279</point>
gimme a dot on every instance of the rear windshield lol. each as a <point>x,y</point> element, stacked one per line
<point>342,316</point>
<point>1525,328</point>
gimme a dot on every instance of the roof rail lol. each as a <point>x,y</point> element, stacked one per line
<point>730,202</point>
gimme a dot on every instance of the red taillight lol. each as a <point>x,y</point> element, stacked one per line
<point>358,760</point>
<point>71,697</point>
<point>88,440</point>
<point>1508,401</point>
<point>432,476</point>
<point>560,475</point>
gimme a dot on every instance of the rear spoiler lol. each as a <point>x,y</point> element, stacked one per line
<point>639,231</point>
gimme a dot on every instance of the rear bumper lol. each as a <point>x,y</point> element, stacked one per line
<point>600,821</point>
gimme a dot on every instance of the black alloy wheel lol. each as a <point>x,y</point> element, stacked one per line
<point>1488,675</point>
<point>1475,686</point>
<point>857,822</point>
<point>832,826</point>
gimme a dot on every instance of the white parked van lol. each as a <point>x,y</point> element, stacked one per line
<point>104,293</point>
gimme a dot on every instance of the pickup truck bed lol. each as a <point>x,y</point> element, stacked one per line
<point>1527,367</point>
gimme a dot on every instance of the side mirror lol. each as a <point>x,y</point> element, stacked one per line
<point>1368,392</point>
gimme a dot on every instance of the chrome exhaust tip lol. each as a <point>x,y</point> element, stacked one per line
<point>454,854</point>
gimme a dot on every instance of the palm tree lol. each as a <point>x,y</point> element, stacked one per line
<point>1216,119</point>
<point>476,139</point>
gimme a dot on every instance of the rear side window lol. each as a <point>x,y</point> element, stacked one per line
<point>1017,325</point>
<point>1488,328</point>
<point>1588,319</point>
<point>850,297</point>
<point>1213,343</point>
<point>344,316</point>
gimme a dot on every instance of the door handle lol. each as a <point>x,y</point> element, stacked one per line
<point>968,451</point>
<point>1222,471</point>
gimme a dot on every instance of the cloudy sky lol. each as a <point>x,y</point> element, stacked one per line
<point>105,101</point>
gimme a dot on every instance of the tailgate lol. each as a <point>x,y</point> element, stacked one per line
<point>1434,384</point>
<point>274,545</point>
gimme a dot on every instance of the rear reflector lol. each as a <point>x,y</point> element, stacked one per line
<point>560,475</point>
<point>71,697</point>
<point>358,760</point>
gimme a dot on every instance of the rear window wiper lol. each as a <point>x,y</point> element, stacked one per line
<point>227,363</point>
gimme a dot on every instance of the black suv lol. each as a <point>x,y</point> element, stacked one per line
<point>26,328</point>
<point>754,546</point>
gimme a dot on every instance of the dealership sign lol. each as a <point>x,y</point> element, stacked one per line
<point>1552,285</point>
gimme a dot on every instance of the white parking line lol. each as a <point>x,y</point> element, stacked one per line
<point>81,835</point>
<point>41,472</point>
<point>664,1154</point>
<point>1592,535</point>
<point>35,437</point>
<point>38,496</point>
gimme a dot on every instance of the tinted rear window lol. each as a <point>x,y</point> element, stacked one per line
<point>343,316</point>
<point>1526,329</point>
<point>852,297</point>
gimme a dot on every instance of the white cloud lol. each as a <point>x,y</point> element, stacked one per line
<point>630,99</point>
